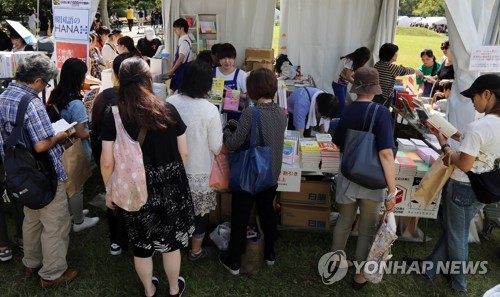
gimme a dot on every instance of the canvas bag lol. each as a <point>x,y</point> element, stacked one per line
<point>433,182</point>
<point>251,169</point>
<point>76,165</point>
<point>380,249</point>
<point>360,158</point>
<point>127,186</point>
<point>220,174</point>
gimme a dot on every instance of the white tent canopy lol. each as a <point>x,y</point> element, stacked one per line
<point>405,21</point>
<point>434,20</point>
<point>315,34</point>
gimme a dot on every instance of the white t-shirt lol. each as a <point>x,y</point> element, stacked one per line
<point>184,48</point>
<point>241,80</point>
<point>481,140</point>
<point>343,63</point>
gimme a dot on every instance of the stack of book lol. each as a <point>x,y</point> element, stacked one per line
<point>330,156</point>
<point>418,143</point>
<point>405,165</point>
<point>406,145</point>
<point>310,154</point>
<point>9,62</point>
<point>427,154</point>
<point>422,167</point>
<point>207,27</point>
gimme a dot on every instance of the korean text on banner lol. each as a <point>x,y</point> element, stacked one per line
<point>72,24</point>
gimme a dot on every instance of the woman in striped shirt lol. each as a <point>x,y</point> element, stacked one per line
<point>388,71</point>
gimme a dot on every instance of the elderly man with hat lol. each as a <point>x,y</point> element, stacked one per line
<point>350,195</point>
<point>45,230</point>
<point>109,51</point>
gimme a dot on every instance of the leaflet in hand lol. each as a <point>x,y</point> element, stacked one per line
<point>63,126</point>
<point>442,125</point>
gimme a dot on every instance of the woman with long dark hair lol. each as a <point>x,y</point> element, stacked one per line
<point>165,223</point>
<point>126,44</point>
<point>345,70</point>
<point>66,99</point>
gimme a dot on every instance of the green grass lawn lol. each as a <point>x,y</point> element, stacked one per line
<point>410,41</point>
<point>294,274</point>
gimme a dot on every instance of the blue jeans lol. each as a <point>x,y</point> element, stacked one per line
<point>460,205</point>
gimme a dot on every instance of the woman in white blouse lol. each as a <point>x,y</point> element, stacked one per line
<point>204,139</point>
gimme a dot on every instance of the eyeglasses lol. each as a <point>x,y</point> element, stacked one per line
<point>47,85</point>
<point>444,48</point>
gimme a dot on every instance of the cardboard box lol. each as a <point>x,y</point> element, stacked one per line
<point>305,216</point>
<point>259,55</point>
<point>263,64</point>
<point>312,193</point>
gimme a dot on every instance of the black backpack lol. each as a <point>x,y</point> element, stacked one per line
<point>29,176</point>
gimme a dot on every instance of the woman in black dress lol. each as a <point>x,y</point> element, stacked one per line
<point>165,223</point>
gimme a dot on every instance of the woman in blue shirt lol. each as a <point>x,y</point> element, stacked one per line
<point>67,99</point>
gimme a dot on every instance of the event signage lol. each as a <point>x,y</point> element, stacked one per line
<point>71,4</point>
<point>71,24</point>
<point>485,59</point>
<point>66,50</point>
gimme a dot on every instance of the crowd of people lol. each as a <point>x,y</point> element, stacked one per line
<point>179,138</point>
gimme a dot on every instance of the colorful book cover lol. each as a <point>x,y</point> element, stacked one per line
<point>232,100</point>
<point>289,151</point>
<point>217,89</point>
<point>323,137</point>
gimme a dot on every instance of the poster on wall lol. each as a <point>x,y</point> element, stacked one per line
<point>71,3</point>
<point>73,24</point>
<point>485,58</point>
<point>66,50</point>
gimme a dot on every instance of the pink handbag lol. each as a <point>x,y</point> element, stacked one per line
<point>219,176</point>
<point>127,186</point>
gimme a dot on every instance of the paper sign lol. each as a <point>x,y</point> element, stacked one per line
<point>485,58</point>
<point>289,179</point>
<point>71,3</point>
<point>66,50</point>
<point>71,24</point>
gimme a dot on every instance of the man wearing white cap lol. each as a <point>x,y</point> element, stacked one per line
<point>148,45</point>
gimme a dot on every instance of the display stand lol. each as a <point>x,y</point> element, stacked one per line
<point>202,31</point>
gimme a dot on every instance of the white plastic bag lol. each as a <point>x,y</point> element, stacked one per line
<point>221,236</point>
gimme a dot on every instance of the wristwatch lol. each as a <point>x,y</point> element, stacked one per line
<point>444,146</point>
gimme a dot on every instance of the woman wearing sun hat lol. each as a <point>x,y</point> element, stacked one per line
<point>350,195</point>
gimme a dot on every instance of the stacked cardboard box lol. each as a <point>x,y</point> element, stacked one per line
<point>258,58</point>
<point>309,208</point>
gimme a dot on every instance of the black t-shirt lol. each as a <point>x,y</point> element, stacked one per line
<point>159,147</point>
<point>148,48</point>
<point>102,103</point>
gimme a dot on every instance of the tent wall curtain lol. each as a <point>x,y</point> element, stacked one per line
<point>242,23</point>
<point>315,34</point>
<point>470,24</point>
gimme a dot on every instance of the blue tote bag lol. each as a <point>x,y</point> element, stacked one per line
<point>251,169</point>
<point>360,160</point>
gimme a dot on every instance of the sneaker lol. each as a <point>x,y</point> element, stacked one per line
<point>5,254</point>
<point>233,268</point>
<point>87,223</point>
<point>115,249</point>
<point>204,253</point>
<point>270,259</point>
<point>182,287</point>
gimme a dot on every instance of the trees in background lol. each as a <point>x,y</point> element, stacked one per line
<point>423,8</point>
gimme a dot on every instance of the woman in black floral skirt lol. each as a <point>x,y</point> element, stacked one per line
<point>165,223</point>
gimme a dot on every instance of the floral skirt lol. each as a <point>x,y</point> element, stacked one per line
<point>166,221</point>
<point>204,197</point>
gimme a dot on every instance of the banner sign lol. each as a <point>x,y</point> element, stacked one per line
<point>65,50</point>
<point>71,4</point>
<point>485,58</point>
<point>71,24</point>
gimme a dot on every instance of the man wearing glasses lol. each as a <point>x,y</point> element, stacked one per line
<point>45,231</point>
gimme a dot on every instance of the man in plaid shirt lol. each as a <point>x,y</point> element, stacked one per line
<point>45,231</point>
